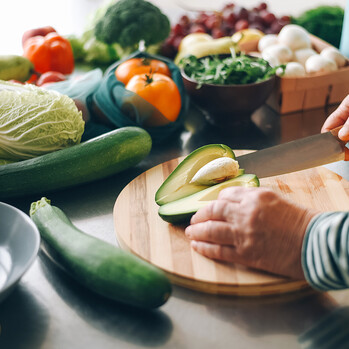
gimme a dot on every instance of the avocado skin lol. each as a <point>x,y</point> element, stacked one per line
<point>179,218</point>
<point>169,190</point>
<point>179,211</point>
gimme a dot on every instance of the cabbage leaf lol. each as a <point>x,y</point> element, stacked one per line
<point>35,121</point>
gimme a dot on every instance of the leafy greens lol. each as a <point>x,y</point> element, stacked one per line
<point>233,70</point>
<point>35,121</point>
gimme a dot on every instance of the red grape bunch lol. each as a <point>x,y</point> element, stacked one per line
<point>230,19</point>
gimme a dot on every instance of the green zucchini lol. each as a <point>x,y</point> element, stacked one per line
<point>99,266</point>
<point>96,158</point>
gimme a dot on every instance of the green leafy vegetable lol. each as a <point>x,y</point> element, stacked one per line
<point>324,22</point>
<point>234,70</point>
<point>77,46</point>
<point>89,50</point>
<point>127,22</point>
<point>35,121</point>
<point>113,36</point>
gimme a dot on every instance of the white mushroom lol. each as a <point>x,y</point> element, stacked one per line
<point>216,171</point>
<point>292,70</point>
<point>294,36</point>
<point>277,53</point>
<point>320,64</point>
<point>267,40</point>
<point>334,54</point>
<point>303,54</point>
<point>272,60</point>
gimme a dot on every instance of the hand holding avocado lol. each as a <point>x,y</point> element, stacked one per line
<point>231,219</point>
<point>252,226</point>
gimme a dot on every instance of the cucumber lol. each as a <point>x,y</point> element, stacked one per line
<point>96,158</point>
<point>99,266</point>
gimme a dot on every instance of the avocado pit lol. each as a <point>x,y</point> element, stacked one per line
<point>216,171</point>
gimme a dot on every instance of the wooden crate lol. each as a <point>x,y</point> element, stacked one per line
<point>316,91</point>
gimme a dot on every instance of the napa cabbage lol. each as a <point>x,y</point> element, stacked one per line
<point>35,121</point>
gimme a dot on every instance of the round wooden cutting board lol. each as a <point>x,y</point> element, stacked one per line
<point>140,230</point>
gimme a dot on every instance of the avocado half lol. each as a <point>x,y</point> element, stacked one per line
<point>180,211</point>
<point>177,185</point>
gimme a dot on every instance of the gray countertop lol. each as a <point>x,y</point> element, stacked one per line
<point>50,310</point>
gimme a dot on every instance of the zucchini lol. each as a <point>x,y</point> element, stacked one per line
<point>96,158</point>
<point>99,266</point>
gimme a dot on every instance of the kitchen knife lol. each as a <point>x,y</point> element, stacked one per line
<point>294,156</point>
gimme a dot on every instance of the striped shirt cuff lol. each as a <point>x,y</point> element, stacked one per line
<point>325,251</point>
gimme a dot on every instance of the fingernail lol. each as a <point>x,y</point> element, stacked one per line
<point>187,231</point>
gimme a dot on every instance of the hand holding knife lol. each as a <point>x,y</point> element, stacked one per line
<point>296,155</point>
<point>240,226</point>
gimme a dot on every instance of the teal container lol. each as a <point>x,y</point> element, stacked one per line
<point>344,45</point>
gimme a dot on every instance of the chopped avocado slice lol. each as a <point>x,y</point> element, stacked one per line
<point>177,185</point>
<point>181,210</point>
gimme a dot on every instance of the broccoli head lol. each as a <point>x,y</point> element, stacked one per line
<point>127,22</point>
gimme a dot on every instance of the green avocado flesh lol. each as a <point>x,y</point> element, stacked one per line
<point>177,185</point>
<point>181,210</point>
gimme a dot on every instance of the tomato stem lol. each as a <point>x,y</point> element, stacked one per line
<point>149,78</point>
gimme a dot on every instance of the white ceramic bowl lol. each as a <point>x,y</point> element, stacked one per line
<point>19,245</point>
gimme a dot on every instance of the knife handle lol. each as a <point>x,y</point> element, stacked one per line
<point>334,132</point>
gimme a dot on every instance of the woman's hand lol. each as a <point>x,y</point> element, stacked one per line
<point>338,118</point>
<point>252,226</point>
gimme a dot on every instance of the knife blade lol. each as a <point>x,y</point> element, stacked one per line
<point>296,155</point>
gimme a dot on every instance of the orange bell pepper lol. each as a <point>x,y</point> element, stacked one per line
<point>50,52</point>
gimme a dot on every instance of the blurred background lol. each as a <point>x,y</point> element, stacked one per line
<point>72,16</point>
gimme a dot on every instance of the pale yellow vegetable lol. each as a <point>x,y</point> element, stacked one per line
<point>248,39</point>
<point>212,47</point>
<point>192,39</point>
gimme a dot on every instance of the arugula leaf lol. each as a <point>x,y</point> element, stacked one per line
<point>234,70</point>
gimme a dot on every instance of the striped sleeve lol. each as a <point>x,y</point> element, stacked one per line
<point>325,251</point>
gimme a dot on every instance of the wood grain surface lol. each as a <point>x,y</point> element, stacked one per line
<point>140,230</point>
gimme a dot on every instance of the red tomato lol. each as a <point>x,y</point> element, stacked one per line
<point>134,66</point>
<point>160,91</point>
<point>50,76</point>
